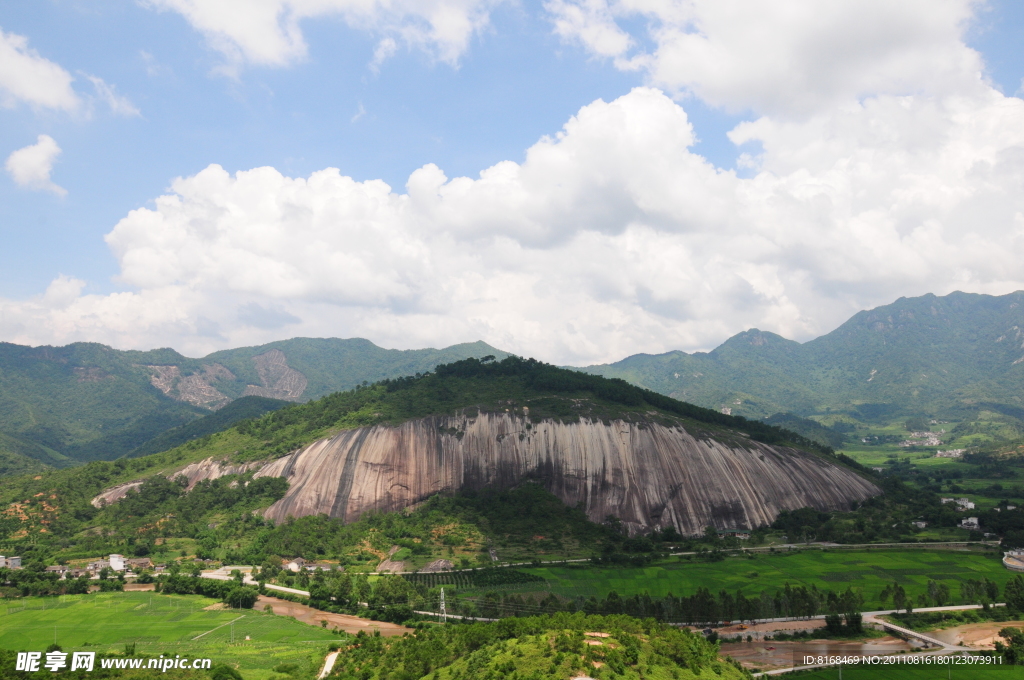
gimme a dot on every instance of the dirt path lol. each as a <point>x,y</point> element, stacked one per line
<point>349,624</point>
<point>328,665</point>
<point>138,587</point>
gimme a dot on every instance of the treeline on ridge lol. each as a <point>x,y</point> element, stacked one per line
<point>486,383</point>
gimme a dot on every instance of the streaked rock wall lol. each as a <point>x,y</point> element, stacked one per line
<point>645,474</point>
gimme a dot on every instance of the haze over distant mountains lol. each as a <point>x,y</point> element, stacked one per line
<point>85,401</point>
<point>917,356</point>
<point>927,355</point>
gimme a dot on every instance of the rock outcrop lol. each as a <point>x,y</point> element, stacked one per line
<point>648,475</point>
<point>194,473</point>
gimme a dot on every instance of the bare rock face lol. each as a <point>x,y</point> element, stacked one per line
<point>278,380</point>
<point>194,473</point>
<point>197,389</point>
<point>114,494</point>
<point>647,475</point>
<point>211,469</point>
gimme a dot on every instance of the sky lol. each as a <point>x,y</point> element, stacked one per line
<point>573,180</point>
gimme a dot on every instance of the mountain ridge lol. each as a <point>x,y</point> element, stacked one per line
<point>87,401</point>
<point>923,355</point>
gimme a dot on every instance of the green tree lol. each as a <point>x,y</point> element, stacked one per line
<point>1014,593</point>
<point>1013,650</point>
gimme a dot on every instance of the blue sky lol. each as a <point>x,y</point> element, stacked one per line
<point>188,96</point>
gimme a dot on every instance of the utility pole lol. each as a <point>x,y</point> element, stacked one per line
<point>443,614</point>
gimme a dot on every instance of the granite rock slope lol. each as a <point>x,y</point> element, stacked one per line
<point>646,474</point>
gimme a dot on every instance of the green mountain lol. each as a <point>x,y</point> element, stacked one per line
<point>240,409</point>
<point>85,401</point>
<point>59,511</point>
<point>924,356</point>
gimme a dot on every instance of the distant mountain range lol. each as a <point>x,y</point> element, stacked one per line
<point>63,405</point>
<point>926,356</point>
<point>923,356</point>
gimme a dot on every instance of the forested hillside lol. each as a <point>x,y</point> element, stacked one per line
<point>62,406</point>
<point>937,356</point>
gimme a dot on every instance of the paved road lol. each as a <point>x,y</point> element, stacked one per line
<point>328,665</point>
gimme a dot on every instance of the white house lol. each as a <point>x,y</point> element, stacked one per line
<point>117,562</point>
<point>969,523</point>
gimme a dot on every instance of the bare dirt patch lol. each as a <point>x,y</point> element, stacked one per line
<point>975,635</point>
<point>313,617</point>
<point>770,655</point>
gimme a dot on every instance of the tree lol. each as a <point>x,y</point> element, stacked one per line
<point>224,672</point>
<point>242,597</point>
<point>899,597</point>
<point>1014,593</point>
<point>1013,651</point>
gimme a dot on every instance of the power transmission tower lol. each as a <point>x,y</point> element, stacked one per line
<point>444,612</point>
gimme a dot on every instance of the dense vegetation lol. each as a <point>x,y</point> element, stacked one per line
<point>65,405</point>
<point>537,648</point>
<point>243,408</point>
<point>547,391</point>
<point>925,355</point>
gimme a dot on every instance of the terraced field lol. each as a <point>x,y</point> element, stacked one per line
<point>159,624</point>
<point>867,571</point>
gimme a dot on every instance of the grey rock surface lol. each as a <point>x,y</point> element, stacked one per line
<point>648,475</point>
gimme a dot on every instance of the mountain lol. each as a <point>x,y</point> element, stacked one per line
<point>85,401</point>
<point>242,408</point>
<point>927,355</point>
<point>602,445</point>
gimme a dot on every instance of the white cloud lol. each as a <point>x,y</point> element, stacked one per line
<point>268,32</point>
<point>118,103</point>
<point>887,170</point>
<point>30,166</point>
<point>787,57</point>
<point>612,237</point>
<point>27,77</point>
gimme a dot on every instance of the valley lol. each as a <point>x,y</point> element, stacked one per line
<point>525,491</point>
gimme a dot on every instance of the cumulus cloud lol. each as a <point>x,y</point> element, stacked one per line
<point>30,166</point>
<point>787,57</point>
<point>27,77</point>
<point>611,237</point>
<point>269,32</point>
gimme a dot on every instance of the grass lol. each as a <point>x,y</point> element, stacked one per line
<point>162,624</point>
<point>867,571</point>
<point>911,672</point>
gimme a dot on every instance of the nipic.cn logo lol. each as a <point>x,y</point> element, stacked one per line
<point>85,661</point>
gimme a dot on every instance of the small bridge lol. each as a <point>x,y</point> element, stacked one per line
<point>909,633</point>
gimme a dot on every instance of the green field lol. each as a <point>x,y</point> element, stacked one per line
<point>909,672</point>
<point>867,571</point>
<point>161,624</point>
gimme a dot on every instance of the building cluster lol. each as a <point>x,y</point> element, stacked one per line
<point>299,564</point>
<point>114,562</point>
<point>742,534</point>
<point>962,504</point>
<point>921,439</point>
<point>950,453</point>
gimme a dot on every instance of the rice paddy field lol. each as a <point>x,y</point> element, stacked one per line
<point>909,672</point>
<point>254,642</point>
<point>867,571</point>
